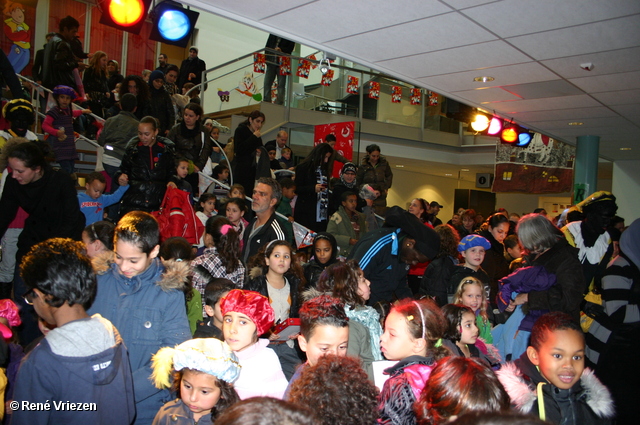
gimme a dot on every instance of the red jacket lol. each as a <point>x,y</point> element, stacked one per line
<point>177,217</point>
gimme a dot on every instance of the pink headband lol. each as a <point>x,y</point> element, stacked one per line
<point>224,229</point>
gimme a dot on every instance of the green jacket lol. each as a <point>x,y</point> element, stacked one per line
<point>340,227</point>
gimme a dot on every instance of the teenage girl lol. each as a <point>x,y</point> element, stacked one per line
<point>235,210</point>
<point>471,293</point>
<point>413,335</point>
<point>325,251</point>
<point>203,372</point>
<point>273,274</point>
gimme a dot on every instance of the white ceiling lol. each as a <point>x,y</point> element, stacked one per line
<point>533,49</point>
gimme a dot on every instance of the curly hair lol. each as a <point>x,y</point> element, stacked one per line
<point>449,240</point>
<point>339,389</point>
<point>226,241</point>
<point>143,89</point>
<point>267,411</point>
<point>341,281</point>
<point>459,385</point>
<point>259,260</point>
<point>228,395</point>
<point>433,325</point>
<point>453,314</point>
<point>551,322</point>
<point>470,280</point>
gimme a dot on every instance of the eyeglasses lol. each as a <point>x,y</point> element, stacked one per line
<point>28,296</point>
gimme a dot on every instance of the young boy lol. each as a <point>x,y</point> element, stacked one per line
<point>286,162</point>
<point>144,301</point>
<point>215,290</point>
<point>274,164</point>
<point>288,193</point>
<point>324,329</point>
<point>472,248</point>
<point>83,360</point>
<point>93,201</point>
<point>347,224</point>
<point>553,368</point>
<point>182,170</point>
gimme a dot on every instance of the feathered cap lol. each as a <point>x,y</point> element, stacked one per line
<point>207,355</point>
<point>9,310</point>
<point>65,90</point>
<point>253,305</point>
<point>15,105</point>
<point>596,198</point>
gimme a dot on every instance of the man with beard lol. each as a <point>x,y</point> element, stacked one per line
<point>386,254</point>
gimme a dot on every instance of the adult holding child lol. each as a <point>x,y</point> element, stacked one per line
<point>312,187</point>
<point>374,168</point>
<point>247,138</point>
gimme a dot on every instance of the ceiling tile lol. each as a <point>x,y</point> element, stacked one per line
<point>253,9</point>
<point>467,58</point>
<point>629,111</point>
<point>434,34</point>
<point>529,72</point>
<point>565,102</point>
<point>462,4</point>
<point>623,97</point>
<point>495,94</point>
<point>517,17</point>
<point>326,20</point>
<point>610,82</point>
<point>543,89</point>
<point>613,122</point>
<point>564,114</point>
<point>597,37</point>
<point>622,60</point>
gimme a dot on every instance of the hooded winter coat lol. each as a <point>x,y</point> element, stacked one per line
<point>380,174</point>
<point>149,309</point>
<point>84,362</point>
<point>587,402</point>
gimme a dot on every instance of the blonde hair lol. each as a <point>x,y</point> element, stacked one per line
<point>470,280</point>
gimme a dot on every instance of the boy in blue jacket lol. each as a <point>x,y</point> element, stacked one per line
<point>80,370</point>
<point>93,201</point>
<point>145,301</point>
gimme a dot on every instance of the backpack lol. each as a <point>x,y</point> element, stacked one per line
<point>176,217</point>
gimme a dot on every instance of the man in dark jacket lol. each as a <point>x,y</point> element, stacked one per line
<point>386,254</point>
<point>191,69</point>
<point>36,70</point>
<point>278,44</point>
<point>59,61</point>
<point>117,133</point>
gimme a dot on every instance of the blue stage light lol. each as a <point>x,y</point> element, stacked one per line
<point>173,25</point>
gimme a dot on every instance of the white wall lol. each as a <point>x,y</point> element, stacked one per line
<point>626,188</point>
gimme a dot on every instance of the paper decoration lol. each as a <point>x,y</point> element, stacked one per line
<point>224,95</point>
<point>303,69</point>
<point>433,99</point>
<point>396,94</point>
<point>344,132</point>
<point>327,78</point>
<point>285,65</point>
<point>374,90</point>
<point>352,85</point>
<point>313,58</point>
<point>415,96</point>
<point>259,63</point>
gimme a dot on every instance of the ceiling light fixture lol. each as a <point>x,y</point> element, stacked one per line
<point>480,123</point>
<point>625,149</point>
<point>399,166</point>
<point>483,79</point>
<point>324,65</point>
<point>448,174</point>
<point>576,123</point>
<point>464,169</point>
<point>495,126</point>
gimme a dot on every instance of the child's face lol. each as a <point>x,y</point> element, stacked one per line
<point>182,169</point>
<point>289,192</point>
<point>131,260</point>
<point>235,193</point>
<point>396,342</point>
<point>239,331</point>
<point>215,133</point>
<point>515,252</point>
<point>325,339</point>
<point>472,296</point>
<point>322,250</point>
<point>234,213</point>
<point>364,286</point>
<point>280,259</point>
<point>224,175</point>
<point>208,206</point>
<point>473,257</point>
<point>351,203</point>
<point>95,189</point>
<point>217,313</point>
<point>272,155</point>
<point>468,329</point>
<point>286,154</point>
<point>560,357</point>
<point>199,392</point>
<point>64,100</point>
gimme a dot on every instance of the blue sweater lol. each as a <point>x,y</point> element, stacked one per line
<point>149,310</point>
<point>94,208</point>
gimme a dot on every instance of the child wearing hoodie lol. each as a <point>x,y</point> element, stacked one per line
<point>83,361</point>
<point>550,380</point>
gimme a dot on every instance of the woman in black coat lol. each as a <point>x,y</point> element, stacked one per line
<point>312,178</point>
<point>149,164</point>
<point>161,106</point>
<point>247,138</point>
<point>495,264</point>
<point>96,84</point>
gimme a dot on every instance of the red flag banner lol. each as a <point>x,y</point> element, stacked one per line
<point>344,132</point>
<point>259,63</point>
<point>303,69</point>
<point>374,90</point>
<point>327,78</point>
<point>544,166</point>
<point>415,96</point>
<point>433,99</point>
<point>396,94</point>
<point>352,85</point>
<point>285,65</point>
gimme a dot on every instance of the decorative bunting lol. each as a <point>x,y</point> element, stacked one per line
<point>396,94</point>
<point>313,58</point>
<point>327,78</point>
<point>352,86</point>
<point>259,63</point>
<point>374,90</point>
<point>415,96</point>
<point>303,68</point>
<point>285,65</point>
<point>433,99</point>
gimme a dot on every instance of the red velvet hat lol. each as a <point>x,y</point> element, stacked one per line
<point>253,305</point>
